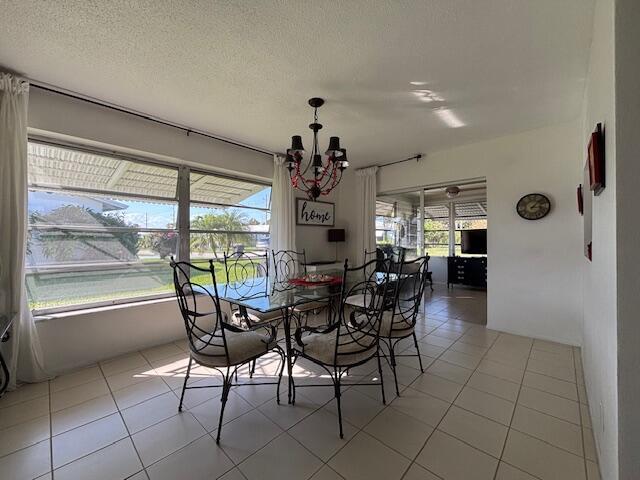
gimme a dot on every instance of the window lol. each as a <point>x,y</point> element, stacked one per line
<point>102,228</point>
<point>385,225</point>
<point>436,230</point>
<point>227,216</point>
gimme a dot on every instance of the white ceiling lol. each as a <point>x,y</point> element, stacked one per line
<point>245,69</point>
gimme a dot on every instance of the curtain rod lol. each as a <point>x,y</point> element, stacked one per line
<point>415,157</point>
<point>189,131</point>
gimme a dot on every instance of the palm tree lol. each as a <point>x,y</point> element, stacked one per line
<point>227,221</point>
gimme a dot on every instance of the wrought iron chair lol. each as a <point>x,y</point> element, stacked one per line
<point>354,338</point>
<point>243,270</point>
<point>399,322</point>
<point>213,342</point>
<point>288,264</point>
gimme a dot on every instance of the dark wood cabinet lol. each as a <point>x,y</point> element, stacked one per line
<point>470,271</point>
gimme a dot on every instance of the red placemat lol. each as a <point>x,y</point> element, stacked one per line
<point>305,283</point>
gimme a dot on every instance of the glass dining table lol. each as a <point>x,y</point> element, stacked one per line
<point>267,295</point>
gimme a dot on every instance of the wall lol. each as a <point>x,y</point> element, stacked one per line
<point>600,337</point>
<point>534,281</point>
<point>72,340</point>
<point>627,173</point>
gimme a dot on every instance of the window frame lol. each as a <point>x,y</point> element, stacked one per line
<point>182,228</point>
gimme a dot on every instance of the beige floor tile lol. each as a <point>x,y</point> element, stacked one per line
<point>432,339</point>
<point>127,378</point>
<point>432,351</point>
<point>593,472</point>
<point>123,363</point>
<point>319,433</point>
<point>421,406</point>
<point>23,412</point>
<point>416,472</point>
<point>326,473</point>
<point>552,370</point>
<point>298,462</point>
<point>73,379</point>
<point>508,472</point>
<point>150,412</point>
<point>401,432</point>
<point>551,385</point>
<point>119,460</point>
<point>234,474</point>
<point>436,386</point>
<point>479,432</point>
<point>585,416</point>
<point>550,429</point>
<point>196,396</point>
<point>550,404</point>
<point>452,459</point>
<point>208,413</point>
<point>27,463</point>
<point>499,370</point>
<point>446,333</point>
<point>256,395</point>
<point>166,437</point>
<point>413,361</point>
<point>286,415</point>
<point>357,408</point>
<point>199,460</point>
<point>247,434</point>
<point>494,385</point>
<point>78,415</point>
<point>541,459</point>
<point>161,351</point>
<point>140,392</point>
<point>515,361</point>
<point>81,441</point>
<point>552,347</point>
<point>465,360</point>
<point>477,340</point>
<point>23,393</point>
<point>563,360</point>
<point>24,435</point>
<point>468,348</point>
<point>72,396</point>
<point>487,405</point>
<point>365,458</point>
<point>589,445</point>
<point>450,372</point>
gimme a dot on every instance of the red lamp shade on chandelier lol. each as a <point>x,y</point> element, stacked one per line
<point>318,176</point>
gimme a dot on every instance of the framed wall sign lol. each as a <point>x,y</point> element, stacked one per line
<point>308,212</point>
<point>595,151</point>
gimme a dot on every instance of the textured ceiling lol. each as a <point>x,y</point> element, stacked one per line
<point>245,69</point>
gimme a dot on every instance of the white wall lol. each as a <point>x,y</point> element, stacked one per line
<point>534,281</point>
<point>627,153</point>
<point>600,329</point>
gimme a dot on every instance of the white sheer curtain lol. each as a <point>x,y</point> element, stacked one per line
<point>283,218</point>
<point>366,225</point>
<point>22,352</point>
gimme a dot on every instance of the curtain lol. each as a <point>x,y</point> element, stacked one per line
<point>283,219</point>
<point>22,352</point>
<point>366,228</point>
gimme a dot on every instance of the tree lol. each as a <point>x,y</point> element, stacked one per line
<point>229,220</point>
<point>163,243</point>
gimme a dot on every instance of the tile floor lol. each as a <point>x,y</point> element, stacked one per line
<point>489,406</point>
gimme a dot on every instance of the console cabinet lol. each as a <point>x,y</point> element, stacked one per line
<point>470,271</point>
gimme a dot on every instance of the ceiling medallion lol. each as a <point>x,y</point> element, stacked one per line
<point>319,176</point>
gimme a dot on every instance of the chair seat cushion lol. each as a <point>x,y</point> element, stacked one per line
<point>257,317</point>
<point>356,300</point>
<point>395,326</point>
<point>322,348</point>
<point>242,346</point>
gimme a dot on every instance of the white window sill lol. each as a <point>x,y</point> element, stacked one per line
<point>91,310</point>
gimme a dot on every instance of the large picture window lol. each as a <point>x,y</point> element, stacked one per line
<point>102,228</point>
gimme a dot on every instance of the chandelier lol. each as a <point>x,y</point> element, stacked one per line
<point>318,176</point>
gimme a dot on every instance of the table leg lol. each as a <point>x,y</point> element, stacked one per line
<point>286,317</point>
<point>5,375</point>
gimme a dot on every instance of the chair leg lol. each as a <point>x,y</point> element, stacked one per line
<point>252,369</point>
<point>336,384</point>
<point>226,386</point>
<point>415,342</point>
<point>384,400</point>
<point>392,356</point>
<point>184,385</point>
<point>282,362</point>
